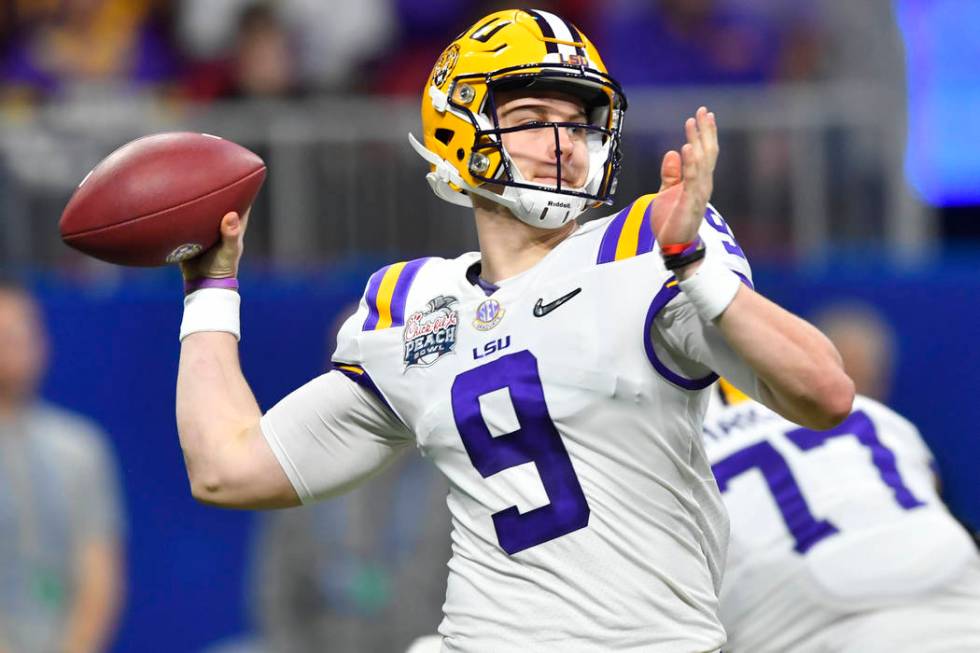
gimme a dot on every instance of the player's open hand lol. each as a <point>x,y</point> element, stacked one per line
<point>686,181</point>
<point>221,261</point>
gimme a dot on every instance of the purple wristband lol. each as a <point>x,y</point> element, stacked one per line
<point>191,285</point>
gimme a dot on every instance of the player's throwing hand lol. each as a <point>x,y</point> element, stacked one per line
<point>221,261</point>
<point>686,181</point>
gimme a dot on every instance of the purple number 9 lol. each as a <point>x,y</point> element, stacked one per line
<point>714,219</point>
<point>537,440</point>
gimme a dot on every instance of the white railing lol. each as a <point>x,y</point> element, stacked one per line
<point>802,169</point>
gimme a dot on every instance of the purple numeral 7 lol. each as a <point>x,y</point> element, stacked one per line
<point>862,428</point>
<point>806,529</point>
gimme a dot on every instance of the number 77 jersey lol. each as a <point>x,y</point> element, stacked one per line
<point>827,525</point>
<point>585,516</point>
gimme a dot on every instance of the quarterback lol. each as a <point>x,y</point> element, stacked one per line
<point>557,377</point>
<point>840,541</point>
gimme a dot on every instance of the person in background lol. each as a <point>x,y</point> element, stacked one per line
<point>89,48</point>
<point>865,341</point>
<point>840,540</point>
<point>61,545</point>
<point>262,63</point>
<point>331,39</point>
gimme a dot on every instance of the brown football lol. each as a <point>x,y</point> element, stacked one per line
<point>160,199</point>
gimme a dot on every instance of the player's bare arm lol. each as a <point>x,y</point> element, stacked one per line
<point>228,460</point>
<point>800,372</point>
<point>234,454</point>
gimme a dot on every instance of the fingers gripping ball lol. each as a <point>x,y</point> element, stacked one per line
<point>160,199</point>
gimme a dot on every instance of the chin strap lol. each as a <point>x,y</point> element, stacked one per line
<point>443,174</point>
<point>537,208</point>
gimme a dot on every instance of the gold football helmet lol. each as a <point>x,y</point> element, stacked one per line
<point>511,50</point>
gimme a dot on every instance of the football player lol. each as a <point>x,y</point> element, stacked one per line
<point>840,541</point>
<point>557,377</point>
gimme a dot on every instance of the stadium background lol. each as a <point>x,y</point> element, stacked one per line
<point>849,170</point>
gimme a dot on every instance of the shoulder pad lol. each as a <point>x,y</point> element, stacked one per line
<point>629,233</point>
<point>387,293</point>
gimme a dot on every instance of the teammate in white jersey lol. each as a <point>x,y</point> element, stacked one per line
<point>557,376</point>
<point>840,542</point>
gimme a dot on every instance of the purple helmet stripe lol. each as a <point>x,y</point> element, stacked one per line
<point>663,297</point>
<point>610,239</point>
<point>546,30</point>
<point>400,296</point>
<point>576,35</point>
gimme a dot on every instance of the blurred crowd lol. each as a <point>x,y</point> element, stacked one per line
<point>80,77</point>
<point>202,51</point>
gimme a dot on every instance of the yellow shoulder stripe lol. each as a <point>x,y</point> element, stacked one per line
<point>630,236</point>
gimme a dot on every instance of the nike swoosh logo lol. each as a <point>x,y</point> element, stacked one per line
<point>541,309</point>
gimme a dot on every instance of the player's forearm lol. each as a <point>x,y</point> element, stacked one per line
<point>801,373</point>
<point>216,410</point>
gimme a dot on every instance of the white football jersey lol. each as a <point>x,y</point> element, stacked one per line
<point>826,524</point>
<point>565,409</point>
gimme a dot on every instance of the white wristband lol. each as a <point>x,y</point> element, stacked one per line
<point>211,309</point>
<point>711,288</point>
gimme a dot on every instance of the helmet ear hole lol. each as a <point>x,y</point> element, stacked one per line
<point>444,135</point>
<point>460,154</point>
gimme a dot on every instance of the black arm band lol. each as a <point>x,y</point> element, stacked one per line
<point>679,261</point>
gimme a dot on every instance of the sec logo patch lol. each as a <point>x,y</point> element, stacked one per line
<point>488,315</point>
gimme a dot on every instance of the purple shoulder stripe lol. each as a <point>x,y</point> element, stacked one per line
<point>629,233</point>
<point>400,297</point>
<point>646,239</point>
<point>610,239</point>
<point>393,301</point>
<point>371,297</point>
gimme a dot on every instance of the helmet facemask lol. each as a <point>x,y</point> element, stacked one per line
<point>550,205</point>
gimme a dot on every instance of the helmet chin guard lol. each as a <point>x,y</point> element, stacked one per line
<point>536,206</point>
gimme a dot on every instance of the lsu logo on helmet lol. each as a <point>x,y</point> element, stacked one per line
<point>445,65</point>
